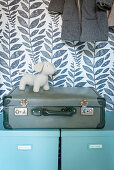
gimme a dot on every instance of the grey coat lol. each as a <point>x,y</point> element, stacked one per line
<point>84,22</point>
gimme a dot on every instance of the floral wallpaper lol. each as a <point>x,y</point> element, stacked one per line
<point>29,34</point>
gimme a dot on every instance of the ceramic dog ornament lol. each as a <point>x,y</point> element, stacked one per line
<point>44,70</point>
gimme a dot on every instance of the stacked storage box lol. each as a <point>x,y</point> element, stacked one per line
<point>89,149</point>
<point>29,150</point>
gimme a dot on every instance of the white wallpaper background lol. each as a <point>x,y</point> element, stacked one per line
<point>29,34</point>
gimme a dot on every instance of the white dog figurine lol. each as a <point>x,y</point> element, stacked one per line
<point>44,69</point>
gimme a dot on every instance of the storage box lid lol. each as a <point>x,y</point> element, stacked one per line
<point>86,133</point>
<point>42,132</point>
<point>56,96</point>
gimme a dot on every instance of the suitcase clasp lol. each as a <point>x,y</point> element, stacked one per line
<point>24,102</point>
<point>84,103</point>
<point>86,111</point>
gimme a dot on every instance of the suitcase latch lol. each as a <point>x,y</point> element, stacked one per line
<point>85,110</point>
<point>24,102</point>
<point>22,111</point>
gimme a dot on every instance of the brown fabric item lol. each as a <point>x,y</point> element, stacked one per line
<point>108,13</point>
<point>111,17</point>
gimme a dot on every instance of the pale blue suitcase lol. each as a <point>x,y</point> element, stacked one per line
<point>89,149</point>
<point>29,150</point>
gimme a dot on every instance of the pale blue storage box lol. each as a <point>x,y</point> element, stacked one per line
<point>89,149</point>
<point>29,150</point>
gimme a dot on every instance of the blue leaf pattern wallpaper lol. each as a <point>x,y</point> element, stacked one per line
<point>29,34</point>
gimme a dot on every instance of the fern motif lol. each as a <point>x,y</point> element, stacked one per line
<point>111,41</point>
<point>1,95</point>
<point>55,19</point>
<point>30,69</point>
<point>109,92</point>
<point>31,28</point>
<point>75,77</point>
<point>97,66</point>
<point>46,2</point>
<point>1,91</point>
<point>103,61</point>
<point>10,8</point>
<point>11,60</point>
<point>71,76</point>
<point>0,27</point>
<point>55,54</point>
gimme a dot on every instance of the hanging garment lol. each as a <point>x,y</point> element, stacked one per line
<point>94,20</point>
<point>71,21</point>
<point>84,22</point>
